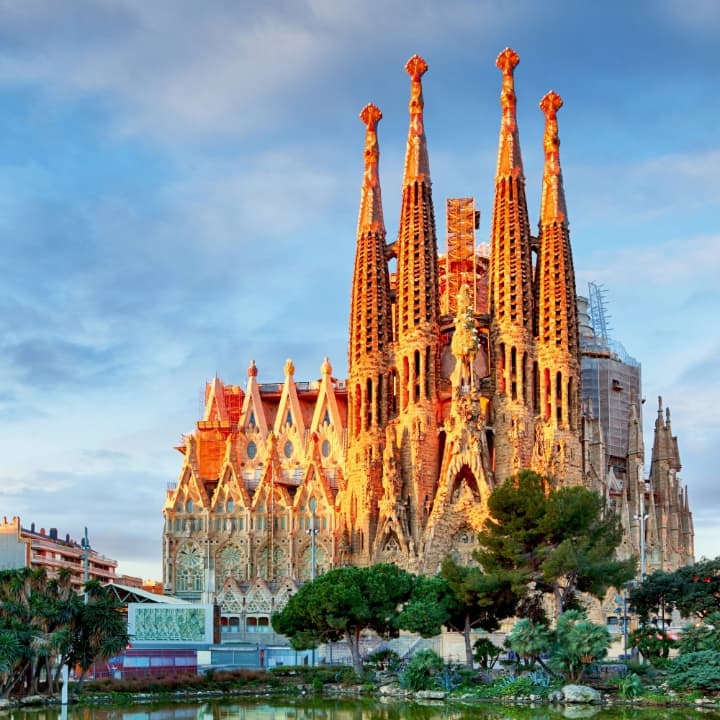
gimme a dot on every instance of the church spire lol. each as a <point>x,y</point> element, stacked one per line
<point>511,293</point>
<point>558,347</point>
<point>370,311</point>
<point>369,348</point>
<point>417,165</point>
<point>557,324</point>
<point>417,292</point>
<point>510,262</point>
<point>552,204</point>
<point>371,212</point>
<point>509,159</point>
<point>417,311</point>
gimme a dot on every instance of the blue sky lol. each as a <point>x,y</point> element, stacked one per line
<point>179,186</point>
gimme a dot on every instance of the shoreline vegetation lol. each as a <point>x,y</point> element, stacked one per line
<point>341,682</point>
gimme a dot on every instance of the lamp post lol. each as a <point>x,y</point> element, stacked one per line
<point>642,517</point>
<point>312,532</point>
<point>85,545</point>
<point>625,621</point>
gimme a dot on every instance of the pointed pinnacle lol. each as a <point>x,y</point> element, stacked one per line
<point>552,206</point>
<point>371,214</point>
<point>509,158</point>
<point>417,166</point>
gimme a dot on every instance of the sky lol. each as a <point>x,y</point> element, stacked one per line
<point>179,188</point>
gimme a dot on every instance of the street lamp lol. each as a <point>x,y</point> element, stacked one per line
<point>642,517</point>
<point>312,532</point>
<point>85,545</point>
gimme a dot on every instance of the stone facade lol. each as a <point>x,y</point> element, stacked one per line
<point>284,481</point>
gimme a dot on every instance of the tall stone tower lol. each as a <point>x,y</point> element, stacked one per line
<point>511,293</point>
<point>557,451</point>
<point>369,357</point>
<point>413,433</point>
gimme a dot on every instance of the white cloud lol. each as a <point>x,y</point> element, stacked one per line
<point>700,16</point>
<point>182,69</point>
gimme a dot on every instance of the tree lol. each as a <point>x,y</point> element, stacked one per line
<point>692,589</point>
<point>460,597</point>
<point>704,636</point>
<point>654,643</point>
<point>476,599</point>
<point>342,603</point>
<point>576,643</point>
<point>427,609</point>
<point>529,640</point>
<point>549,540</point>
<point>486,653</point>
<point>99,630</point>
<point>44,624</point>
<point>655,594</point>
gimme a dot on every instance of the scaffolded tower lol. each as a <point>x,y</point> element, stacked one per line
<point>460,259</point>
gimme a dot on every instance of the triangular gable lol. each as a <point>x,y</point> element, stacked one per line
<point>272,483</point>
<point>231,597</point>
<point>215,410</point>
<point>288,588</point>
<point>230,486</point>
<point>390,530</point>
<point>314,481</point>
<point>289,412</point>
<point>189,486</point>
<point>327,414</point>
<point>258,598</point>
<point>172,497</point>
<point>252,417</point>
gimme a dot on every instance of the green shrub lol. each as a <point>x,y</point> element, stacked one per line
<point>521,686</point>
<point>423,672</point>
<point>705,636</point>
<point>695,671</point>
<point>652,642</point>
<point>384,659</point>
<point>629,686</point>
<point>528,640</point>
<point>486,653</point>
<point>577,642</point>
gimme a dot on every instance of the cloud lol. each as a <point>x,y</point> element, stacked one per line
<point>700,16</point>
<point>121,509</point>
<point>178,70</point>
<point>659,189</point>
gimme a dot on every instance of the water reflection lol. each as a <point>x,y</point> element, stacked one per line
<point>314,709</point>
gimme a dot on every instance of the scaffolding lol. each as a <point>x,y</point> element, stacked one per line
<point>611,380</point>
<point>598,311</point>
<point>459,270</point>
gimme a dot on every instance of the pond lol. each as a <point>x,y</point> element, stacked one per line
<point>326,709</point>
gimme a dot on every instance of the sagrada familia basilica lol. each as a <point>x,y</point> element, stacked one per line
<point>463,368</point>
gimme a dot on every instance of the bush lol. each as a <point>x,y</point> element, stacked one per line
<point>577,643</point>
<point>695,671</point>
<point>705,636</point>
<point>423,672</point>
<point>528,640</point>
<point>652,642</point>
<point>486,653</point>
<point>630,686</point>
<point>317,675</point>
<point>384,659</point>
